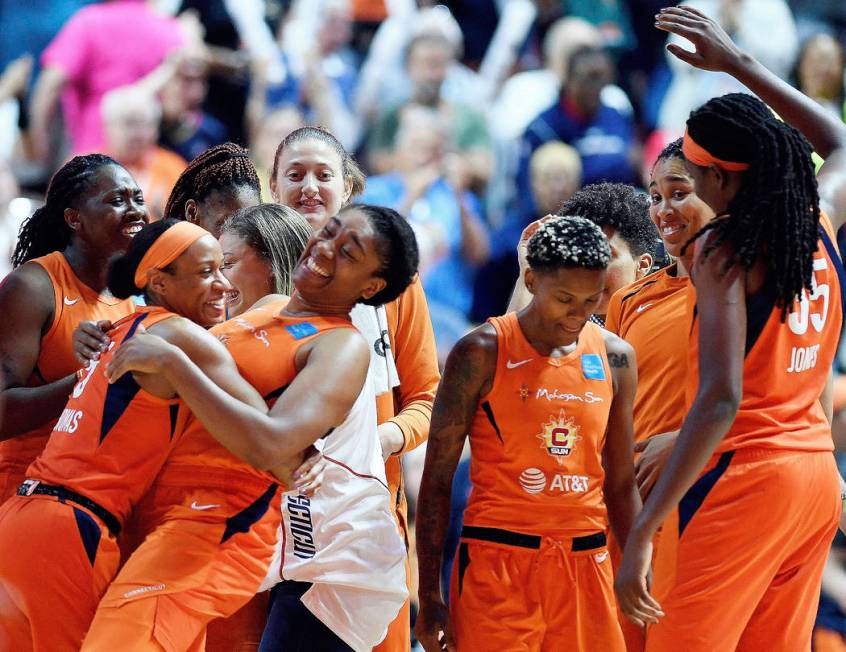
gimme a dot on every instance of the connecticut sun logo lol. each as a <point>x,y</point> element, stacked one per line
<point>559,436</point>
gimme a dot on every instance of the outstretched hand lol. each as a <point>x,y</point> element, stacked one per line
<point>714,48</point>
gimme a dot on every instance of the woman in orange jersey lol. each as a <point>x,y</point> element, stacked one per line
<point>95,468</point>
<point>750,493</point>
<point>343,547</point>
<point>313,174</point>
<point>93,209</point>
<point>546,399</point>
<point>651,315</point>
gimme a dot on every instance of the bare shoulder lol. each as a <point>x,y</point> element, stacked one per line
<point>30,285</point>
<point>473,358</point>
<point>620,353</point>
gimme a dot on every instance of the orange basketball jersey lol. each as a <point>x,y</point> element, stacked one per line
<point>537,437</point>
<point>263,344</point>
<point>652,315</point>
<point>74,302</point>
<point>111,439</point>
<point>787,363</point>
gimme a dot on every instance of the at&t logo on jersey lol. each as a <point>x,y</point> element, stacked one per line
<point>534,481</point>
<point>559,436</point>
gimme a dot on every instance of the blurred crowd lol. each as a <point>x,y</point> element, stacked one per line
<point>470,117</point>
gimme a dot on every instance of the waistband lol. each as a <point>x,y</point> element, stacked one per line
<point>532,541</point>
<point>746,454</point>
<point>30,487</point>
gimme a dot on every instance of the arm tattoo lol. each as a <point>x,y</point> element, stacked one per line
<point>618,360</point>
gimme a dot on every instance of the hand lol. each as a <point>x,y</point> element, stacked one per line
<point>457,172</point>
<point>16,76</point>
<point>308,477</point>
<point>525,236</point>
<point>418,182</point>
<point>143,352</point>
<point>631,583</point>
<point>655,452</point>
<point>90,340</point>
<point>391,438</point>
<point>714,48</point>
<point>432,627</point>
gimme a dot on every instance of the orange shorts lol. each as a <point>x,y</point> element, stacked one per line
<point>56,561</point>
<point>11,478</point>
<point>515,592</point>
<point>827,640</point>
<point>739,564</point>
<point>205,558</point>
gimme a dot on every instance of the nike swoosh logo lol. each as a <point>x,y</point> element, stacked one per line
<point>514,365</point>
<point>643,307</point>
<point>201,508</point>
<point>70,302</point>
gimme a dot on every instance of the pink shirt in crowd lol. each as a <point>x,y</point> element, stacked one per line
<point>101,47</point>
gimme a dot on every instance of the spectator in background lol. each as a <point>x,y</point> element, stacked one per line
<point>186,128</point>
<point>763,28</point>
<point>819,72</point>
<point>102,47</point>
<point>131,118</point>
<point>318,68</point>
<point>527,94</point>
<point>428,60</point>
<point>555,172</point>
<point>431,188</point>
<point>603,136</point>
<point>14,210</point>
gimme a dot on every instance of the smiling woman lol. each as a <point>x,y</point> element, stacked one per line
<point>93,209</point>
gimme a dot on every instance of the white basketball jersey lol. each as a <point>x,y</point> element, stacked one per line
<point>345,540</point>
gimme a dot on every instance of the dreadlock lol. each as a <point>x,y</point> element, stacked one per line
<point>46,231</point>
<point>349,167</point>
<point>568,241</point>
<point>222,168</point>
<point>776,212</point>
<point>617,206</point>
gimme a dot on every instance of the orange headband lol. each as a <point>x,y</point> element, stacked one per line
<point>698,155</point>
<point>167,248</point>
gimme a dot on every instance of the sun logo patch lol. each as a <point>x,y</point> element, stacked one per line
<point>559,436</point>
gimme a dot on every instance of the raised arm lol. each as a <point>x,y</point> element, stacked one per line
<point>319,398</point>
<point>468,376</point>
<point>27,306</point>
<point>721,302</point>
<point>716,51</point>
<point>619,488</point>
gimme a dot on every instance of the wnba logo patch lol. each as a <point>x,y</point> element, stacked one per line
<point>533,481</point>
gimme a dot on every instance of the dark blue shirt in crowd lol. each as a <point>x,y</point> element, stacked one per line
<point>603,143</point>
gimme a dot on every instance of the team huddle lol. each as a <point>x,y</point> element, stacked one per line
<point>203,415</point>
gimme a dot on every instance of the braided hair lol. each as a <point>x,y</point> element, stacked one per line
<point>776,212</point>
<point>568,241</point>
<point>349,167</point>
<point>673,150</point>
<point>45,231</point>
<point>223,168</point>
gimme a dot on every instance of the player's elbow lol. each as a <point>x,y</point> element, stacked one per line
<point>723,401</point>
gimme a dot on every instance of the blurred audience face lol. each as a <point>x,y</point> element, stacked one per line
<point>336,30</point>
<point>132,126</point>
<point>186,91</point>
<point>421,139</point>
<point>820,68</point>
<point>429,60</point>
<point>556,173</point>
<point>565,37</point>
<point>310,179</point>
<point>590,71</point>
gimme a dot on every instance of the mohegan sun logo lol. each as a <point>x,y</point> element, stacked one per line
<point>559,436</point>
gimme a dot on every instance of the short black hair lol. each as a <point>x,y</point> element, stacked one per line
<point>617,206</point>
<point>568,241</point>
<point>397,247</point>
<point>673,150</point>
<point>121,276</point>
